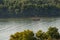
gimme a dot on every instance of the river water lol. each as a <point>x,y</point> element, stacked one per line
<point>12,25</point>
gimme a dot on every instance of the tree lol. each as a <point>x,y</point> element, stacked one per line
<point>41,35</point>
<point>25,35</point>
<point>22,8</point>
<point>53,32</point>
<point>49,38</point>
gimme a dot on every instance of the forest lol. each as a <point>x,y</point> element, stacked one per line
<point>51,34</point>
<point>29,8</point>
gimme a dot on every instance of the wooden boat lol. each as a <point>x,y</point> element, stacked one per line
<point>35,18</point>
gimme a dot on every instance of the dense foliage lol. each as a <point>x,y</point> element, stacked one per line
<point>29,8</point>
<point>51,34</point>
<point>25,35</point>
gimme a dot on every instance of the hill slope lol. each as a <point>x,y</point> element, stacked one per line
<point>29,8</point>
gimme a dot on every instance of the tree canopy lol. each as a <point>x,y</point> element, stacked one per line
<point>25,35</point>
<point>51,34</point>
<point>22,8</point>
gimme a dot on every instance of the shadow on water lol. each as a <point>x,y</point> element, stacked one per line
<point>48,19</point>
<point>3,20</point>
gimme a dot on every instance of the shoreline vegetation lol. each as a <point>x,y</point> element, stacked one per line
<point>29,8</point>
<point>51,34</point>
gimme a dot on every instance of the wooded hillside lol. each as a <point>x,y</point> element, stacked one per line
<point>29,8</point>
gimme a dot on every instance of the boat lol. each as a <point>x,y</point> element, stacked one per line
<point>35,18</point>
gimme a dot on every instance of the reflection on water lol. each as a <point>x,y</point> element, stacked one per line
<point>10,26</point>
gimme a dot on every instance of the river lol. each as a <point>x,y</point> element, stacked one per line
<point>12,25</point>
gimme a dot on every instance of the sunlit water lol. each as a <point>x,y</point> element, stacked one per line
<point>10,26</point>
